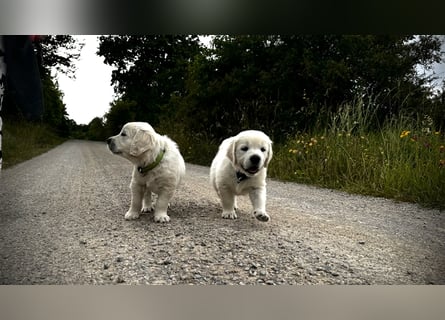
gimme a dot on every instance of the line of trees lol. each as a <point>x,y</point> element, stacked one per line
<point>280,84</point>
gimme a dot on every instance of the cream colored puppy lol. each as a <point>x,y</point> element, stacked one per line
<point>240,167</point>
<point>158,168</point>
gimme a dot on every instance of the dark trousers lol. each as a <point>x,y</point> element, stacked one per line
<point>19,74</point>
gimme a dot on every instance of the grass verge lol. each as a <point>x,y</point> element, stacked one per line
<point>195,148</point>
<point>22,141</point>
<point>403,160</point>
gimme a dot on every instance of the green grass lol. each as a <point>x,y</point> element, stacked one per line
<point>195,148</point>
<point>405,160</point>
<point>23,141</point>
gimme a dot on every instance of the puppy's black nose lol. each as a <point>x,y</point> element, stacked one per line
<point>108,141</point>
<point>255,159</point>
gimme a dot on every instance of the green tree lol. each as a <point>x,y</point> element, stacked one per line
<point>287,83</point>
<point>55,113</point>
<point>149,69</point>
<point>58,53</point>
<point>121,112</point>
<point>96,130</point>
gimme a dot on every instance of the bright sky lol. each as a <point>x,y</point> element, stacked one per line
<point>89,95</point>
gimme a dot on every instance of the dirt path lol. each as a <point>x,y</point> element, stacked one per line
<point>61,222</point>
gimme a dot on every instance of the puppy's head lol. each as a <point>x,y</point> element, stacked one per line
<point>250,151</point>
<point>134,139</point>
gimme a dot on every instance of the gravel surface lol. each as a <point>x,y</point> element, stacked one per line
<point>62,222</point>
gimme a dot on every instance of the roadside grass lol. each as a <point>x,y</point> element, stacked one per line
<point>195,148</point>
<point>22,141</point>
<point>404,160</point>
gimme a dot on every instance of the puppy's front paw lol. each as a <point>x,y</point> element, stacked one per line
<point>261,216</point>
<point>131,215</point>
<point>229,215</point>
<point>162,218</point>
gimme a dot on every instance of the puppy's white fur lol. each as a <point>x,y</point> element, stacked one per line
<point>249,154</point>
<point>139,143</point>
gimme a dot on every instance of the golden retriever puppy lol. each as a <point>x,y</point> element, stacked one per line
<point>158,168</point>
<point>240,167</point>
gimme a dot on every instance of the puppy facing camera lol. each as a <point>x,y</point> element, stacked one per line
<point>239,168</point>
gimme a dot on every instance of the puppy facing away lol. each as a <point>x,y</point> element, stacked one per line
<point>158,168</point>
<point>240,167</point>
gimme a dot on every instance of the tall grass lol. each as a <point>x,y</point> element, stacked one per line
<point>23,140</point>
<point>404,160</point>
<point>195,148</point>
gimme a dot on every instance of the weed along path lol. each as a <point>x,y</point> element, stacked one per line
<point>62,222</point>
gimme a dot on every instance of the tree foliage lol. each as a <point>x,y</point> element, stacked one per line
<point>55,111</point>
<point>149,69</point>
<point>278,83</point>
<point>287,83</point>
<point>96,130</point>
<point>56,52</point>
<point>59,53</point>
<point>52,52</point>
<point>120,113</point>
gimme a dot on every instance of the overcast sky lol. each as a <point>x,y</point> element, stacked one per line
<point>89,95</point>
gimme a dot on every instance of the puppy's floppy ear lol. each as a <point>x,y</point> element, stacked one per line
<point>231,151</point>
<point>142,141</point>
<point>269,154</point>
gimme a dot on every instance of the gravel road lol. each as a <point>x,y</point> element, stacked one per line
<point>62,222</point>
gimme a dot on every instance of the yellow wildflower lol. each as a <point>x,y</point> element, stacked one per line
<point>404,133</point>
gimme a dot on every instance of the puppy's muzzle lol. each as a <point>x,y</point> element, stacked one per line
<point>254,164</point>
<point>111,145</point>
<point>255,160</point>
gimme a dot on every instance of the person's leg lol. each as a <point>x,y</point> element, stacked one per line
<point>23,76</point>
<point>2,92</point>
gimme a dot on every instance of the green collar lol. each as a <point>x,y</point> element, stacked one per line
<point>151,166</point>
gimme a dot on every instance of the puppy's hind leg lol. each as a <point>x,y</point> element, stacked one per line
<point>162,204</point>
<point>148,203</point>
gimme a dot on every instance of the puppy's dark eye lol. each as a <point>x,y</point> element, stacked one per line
<point>123,134</point>
<point>263,149</point>
<point>245,148</point>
